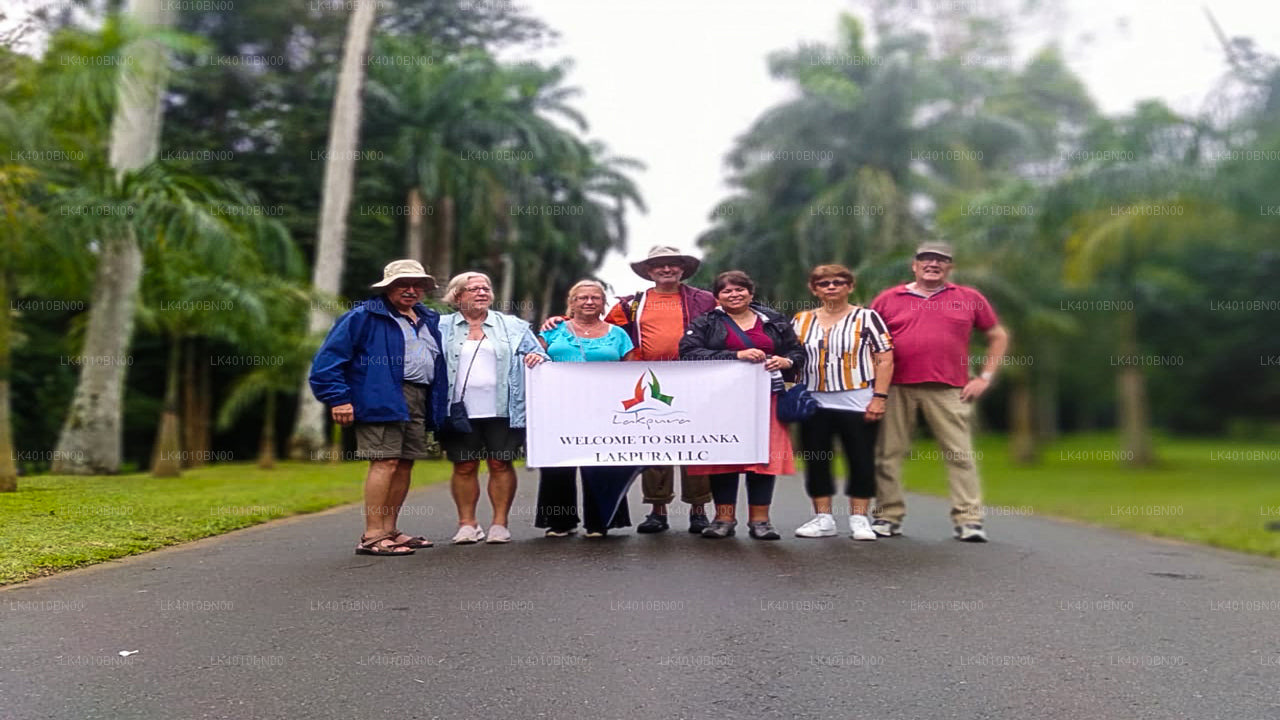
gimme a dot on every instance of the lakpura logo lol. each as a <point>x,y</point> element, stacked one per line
<point>655,390</point>
<point>649,406</point>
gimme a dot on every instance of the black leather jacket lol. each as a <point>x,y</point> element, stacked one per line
<point>706,337</point>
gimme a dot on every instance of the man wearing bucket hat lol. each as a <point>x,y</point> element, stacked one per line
<point>656,320</point>
<point>930,321</point>
<point>380,367</point>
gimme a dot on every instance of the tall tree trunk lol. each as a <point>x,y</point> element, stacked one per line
<point>415,230</point>
<point>444,240</point>
<point>506,299</point>
<point>267,448</point>
<point>339,177</point>
<point>1022,437</point>
<point>204,402</point>
<point>8,466</point>
<point>1046,392</point>
<point>190,442</point>
<point>547,290</point>
<point>1131,389</point>
<point>91,439</point>
<point>166,456</point>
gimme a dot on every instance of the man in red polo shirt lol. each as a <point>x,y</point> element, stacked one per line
<point>930,321</point>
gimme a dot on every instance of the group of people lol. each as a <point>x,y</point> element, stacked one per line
<point>397,369</point>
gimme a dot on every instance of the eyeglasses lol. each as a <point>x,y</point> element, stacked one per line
<point>589,298</point>
<point>479,288</point>
<point>831,283</point>
<point>934,258</point>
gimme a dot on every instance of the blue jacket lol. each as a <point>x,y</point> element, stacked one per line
<point>362,362</point>
<point>512,340</point>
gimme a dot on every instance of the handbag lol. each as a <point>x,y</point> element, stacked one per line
<point>796,403</point>
<point>458,421</point>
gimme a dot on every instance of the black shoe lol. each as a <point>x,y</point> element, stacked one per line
<point>719,529</point>
<point>698,522</point>
<point>762,530</point>
<point>654,523</point>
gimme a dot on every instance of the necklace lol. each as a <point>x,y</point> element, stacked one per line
<point>587,332</point>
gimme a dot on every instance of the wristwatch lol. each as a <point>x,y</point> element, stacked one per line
<point>880,395</point>
<point>988,375</point>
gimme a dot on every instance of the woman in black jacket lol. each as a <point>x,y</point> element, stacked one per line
<point>741,330</point>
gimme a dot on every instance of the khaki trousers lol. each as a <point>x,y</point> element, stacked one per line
<point>948,419</point>
<point>659,486</point>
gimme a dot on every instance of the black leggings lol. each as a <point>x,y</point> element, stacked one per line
<point>724,488</point>
<point>857,438</point>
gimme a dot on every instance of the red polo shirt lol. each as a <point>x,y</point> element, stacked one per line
<point>931,335</point>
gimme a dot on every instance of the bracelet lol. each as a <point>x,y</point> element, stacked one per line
<point>880,395</point>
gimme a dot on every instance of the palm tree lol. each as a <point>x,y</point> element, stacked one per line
<point>1116,220</point>
<point>91,437</point>
<point>219,276</point>
<point>18,220</point>
<point>339,176</point>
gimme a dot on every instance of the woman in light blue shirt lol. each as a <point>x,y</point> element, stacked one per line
<point>583,337</point>
<point>485,352</point>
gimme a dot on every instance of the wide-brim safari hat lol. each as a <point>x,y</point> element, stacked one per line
<point>405,270</point>
<point>688,263</point>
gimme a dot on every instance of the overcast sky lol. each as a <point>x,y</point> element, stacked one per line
<point>673,82</point>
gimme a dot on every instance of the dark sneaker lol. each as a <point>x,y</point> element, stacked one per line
<point>653,524</point>
<point>886,528</point>
<point>762,530</point>
<point>971,532</point>
<point>720,529</point>
<point>698,522</point>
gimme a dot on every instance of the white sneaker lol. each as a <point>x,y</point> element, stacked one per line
<point>860,528</point>
<point>468,535</point>
<point>499,534</point>
<point>822,525</point>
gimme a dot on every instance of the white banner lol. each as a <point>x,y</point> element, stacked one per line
<point>647,413</point>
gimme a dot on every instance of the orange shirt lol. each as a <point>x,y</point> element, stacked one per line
<point>661,325</point>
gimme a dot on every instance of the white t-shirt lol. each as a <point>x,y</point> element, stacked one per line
<point>846,400</point>
<point>481,392</point>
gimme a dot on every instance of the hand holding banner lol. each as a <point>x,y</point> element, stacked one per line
<point>647,413</point>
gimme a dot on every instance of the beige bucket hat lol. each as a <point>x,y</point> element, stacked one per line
<point>405,270</point>
<point>688,263</point>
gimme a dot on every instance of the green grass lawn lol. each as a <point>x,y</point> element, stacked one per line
<point>1210,491</point>
<point>55,522</point>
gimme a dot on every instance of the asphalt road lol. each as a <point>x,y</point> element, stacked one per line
<point>1049,620</point>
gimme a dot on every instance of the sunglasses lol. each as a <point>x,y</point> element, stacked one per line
<point>831,283</point>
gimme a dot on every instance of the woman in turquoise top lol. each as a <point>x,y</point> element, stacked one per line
<point>583,337</point>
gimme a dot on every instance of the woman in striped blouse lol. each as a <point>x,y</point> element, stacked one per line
<point>848,367</point>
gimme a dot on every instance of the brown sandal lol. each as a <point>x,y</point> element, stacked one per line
<point>414,541</point>
<point>373,546</point>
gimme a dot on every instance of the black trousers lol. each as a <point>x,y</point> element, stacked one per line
<point>558,503</point>
<point>724,488</point>
<point>857,438</point>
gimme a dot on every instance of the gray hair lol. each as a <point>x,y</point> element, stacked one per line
<point>459,283</point>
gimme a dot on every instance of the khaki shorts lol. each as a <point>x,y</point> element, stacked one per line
<point>398,440</point>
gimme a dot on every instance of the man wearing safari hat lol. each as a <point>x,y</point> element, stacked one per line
<point>930,321</point>
<point>656,320</point>
<point>381,368</point>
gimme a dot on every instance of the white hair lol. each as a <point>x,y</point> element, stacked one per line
<point>459,283</point>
